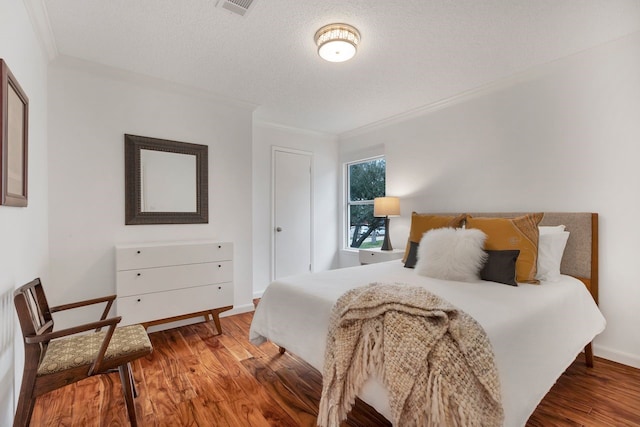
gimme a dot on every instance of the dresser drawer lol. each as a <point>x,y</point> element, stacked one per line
<point>148,307</point>
<point>147,280</point>
<point>372,256</point>
<point>147,256</point>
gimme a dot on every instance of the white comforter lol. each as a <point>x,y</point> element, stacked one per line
<point>536,330</point>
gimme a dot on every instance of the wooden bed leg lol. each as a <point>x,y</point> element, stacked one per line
<point>588,355</point>
<point>281,350</point>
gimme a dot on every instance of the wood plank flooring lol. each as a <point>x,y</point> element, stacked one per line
<point>195,378</point>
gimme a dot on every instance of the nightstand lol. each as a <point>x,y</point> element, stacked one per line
<point>371,256</point>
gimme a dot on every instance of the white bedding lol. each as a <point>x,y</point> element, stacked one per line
<point>536,330</point>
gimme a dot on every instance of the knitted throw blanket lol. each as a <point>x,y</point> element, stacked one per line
<point>435,360</point>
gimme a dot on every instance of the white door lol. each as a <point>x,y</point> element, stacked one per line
<point>292,213</point>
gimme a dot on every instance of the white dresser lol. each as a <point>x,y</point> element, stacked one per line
<point>162,282</point>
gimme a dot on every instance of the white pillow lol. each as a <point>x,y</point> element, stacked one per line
<point>452,254</point>
<point>550,250</point>
<point>549,229</point>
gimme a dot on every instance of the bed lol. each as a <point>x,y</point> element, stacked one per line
<point>536,331</point>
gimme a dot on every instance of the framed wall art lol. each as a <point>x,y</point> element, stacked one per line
<point>166,182</point>
<point>14,125</point>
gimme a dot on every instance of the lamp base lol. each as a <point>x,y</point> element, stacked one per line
<point>386,244</point>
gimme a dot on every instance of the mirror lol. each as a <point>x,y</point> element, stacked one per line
<point>166,181</point>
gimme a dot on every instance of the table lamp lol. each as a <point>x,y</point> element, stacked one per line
<point>386,207</point>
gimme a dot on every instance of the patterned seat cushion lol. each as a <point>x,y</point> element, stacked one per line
<point>66,353</point>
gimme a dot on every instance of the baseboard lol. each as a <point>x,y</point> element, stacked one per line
<point>258,295</point>
<point>244,308</point>
<point>238,309</point>
<point>628,359</point>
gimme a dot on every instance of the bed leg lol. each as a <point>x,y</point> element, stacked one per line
<point>281,350</point>
<point>588,355</point>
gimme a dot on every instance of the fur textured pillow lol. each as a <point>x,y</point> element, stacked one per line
<point>452,254</point>
<point>421,223</point>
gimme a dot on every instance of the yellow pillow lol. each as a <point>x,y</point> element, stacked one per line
<point>513,233</point>
<point>421,223</point>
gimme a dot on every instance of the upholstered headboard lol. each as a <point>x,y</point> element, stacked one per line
<point>580,257</point>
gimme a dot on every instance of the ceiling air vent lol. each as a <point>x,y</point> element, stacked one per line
<point>239,7</point>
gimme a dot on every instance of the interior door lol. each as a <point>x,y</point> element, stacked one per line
<point>292,213</point>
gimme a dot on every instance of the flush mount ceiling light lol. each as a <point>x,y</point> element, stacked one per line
<point>337,42</point>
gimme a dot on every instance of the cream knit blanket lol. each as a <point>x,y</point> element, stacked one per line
<point>435,360</point>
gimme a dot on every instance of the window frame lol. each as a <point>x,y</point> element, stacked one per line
<point>346,243</point>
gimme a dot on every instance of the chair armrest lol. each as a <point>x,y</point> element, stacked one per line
<point>97,363</point>
<point>108,299</point>
<point>32,339</point>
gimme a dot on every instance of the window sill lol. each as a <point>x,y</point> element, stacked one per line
<point>354,251</point>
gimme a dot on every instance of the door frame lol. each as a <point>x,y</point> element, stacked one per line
<point>274,150</point>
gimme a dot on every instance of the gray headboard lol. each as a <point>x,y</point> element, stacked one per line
<point>581,254</point>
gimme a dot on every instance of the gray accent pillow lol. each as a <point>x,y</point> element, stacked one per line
<point>412,257</point>
<point>501,267</point>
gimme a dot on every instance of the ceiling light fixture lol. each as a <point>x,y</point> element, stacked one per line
<point>337,42</point>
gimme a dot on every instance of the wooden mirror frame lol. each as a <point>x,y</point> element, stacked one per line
<point>133,194</point>
<point>13,152</point>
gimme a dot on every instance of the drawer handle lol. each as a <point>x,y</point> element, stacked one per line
<point>139,300</point>
<point>219,265</point>
<point>139,274</point>
<point>219,246</point>
<point>138,252</point>
<point>219,287</point>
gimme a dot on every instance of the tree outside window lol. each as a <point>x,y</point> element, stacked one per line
<point>366,181</point>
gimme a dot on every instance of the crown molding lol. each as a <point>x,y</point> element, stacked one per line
<point>444,103</point>
<point>95,68</point>
<point>530,74</point>
<point>279,126</point>
<point>41,24</point>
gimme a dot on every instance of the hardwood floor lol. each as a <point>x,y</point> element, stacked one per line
<point>194,378</point>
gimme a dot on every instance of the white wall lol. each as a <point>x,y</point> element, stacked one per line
<point>564,137</point>
<point>325,151</point>
<point>91,108</point>
<point>23,231</point>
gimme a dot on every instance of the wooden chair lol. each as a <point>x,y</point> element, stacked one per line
<point>54,359</point>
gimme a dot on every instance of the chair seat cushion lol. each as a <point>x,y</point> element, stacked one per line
<point>72,352</point>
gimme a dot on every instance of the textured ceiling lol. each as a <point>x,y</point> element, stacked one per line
<point>413,52</point>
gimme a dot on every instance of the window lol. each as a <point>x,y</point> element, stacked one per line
<point>365,181</point>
